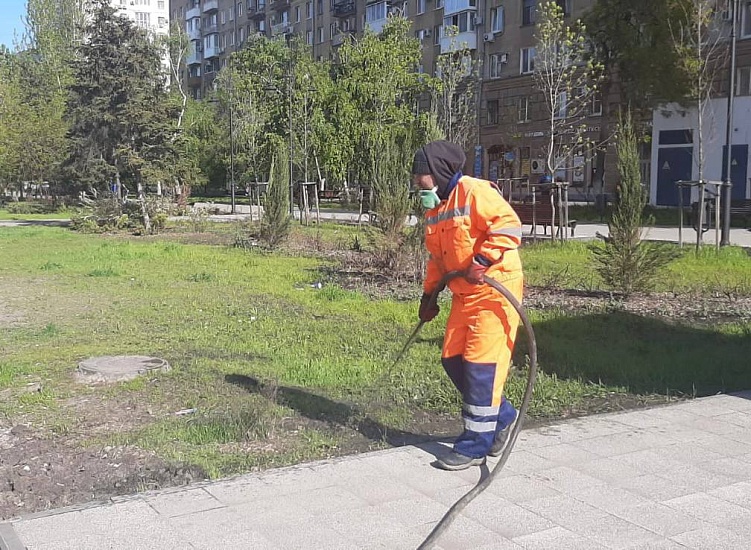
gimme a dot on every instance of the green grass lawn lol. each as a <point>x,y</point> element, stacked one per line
<point>254,344</point>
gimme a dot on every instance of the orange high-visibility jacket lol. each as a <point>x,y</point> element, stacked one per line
<point>475,219</point>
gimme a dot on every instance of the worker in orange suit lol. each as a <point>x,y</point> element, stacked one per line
<point>472,229</point>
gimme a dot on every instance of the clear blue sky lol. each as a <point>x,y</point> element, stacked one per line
<point>11,20</point>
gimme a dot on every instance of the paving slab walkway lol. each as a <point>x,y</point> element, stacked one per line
<point>671,477</point>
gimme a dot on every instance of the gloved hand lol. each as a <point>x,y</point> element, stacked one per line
<point>428,309</point>
<point>477,269</point>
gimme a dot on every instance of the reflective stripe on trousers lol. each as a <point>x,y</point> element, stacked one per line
<point>477,350</point>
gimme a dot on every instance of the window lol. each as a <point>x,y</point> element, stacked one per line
<point>493,113</point>
<point>142,2</point>
<point>438,4</point>
<point>562,105</point>
<point>495,65</point>
<point>262,26</point>
<point>143,19</point>
<point>239,9</point>
<point>527,60</point>
<point>297,14</point>
<point>565,6</point>
<point>746,20</point>
<point>242,35</point>
<point>162,22</point>
<point>523,109</point>
<point>309,9</point>
<point>437,31</point>
<point>529,10</point>
<point>596,104</point>
<point>420,6</point>
<point>224,16</point>
<point>375,12</point>
<point>232,38</point>
<point>320,7</point>
<point>497,19</point>
<point>743,81</point>
<point>309,38</point>
<point>464,21</point>
<point>320,35</point>
<point>405,9</point>
<point>232,13</point>
<point>160,4</point>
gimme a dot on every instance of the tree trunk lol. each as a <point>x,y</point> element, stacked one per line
<point>144,211</point>
<point>598,178</point>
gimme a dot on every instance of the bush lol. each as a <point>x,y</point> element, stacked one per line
<point>275,224</point>
<point>31,207</point>
<point>627,263</point>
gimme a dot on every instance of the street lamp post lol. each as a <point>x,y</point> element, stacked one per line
<point>725,238</point>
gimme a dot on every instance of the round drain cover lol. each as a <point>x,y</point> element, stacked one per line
<point>115,368</point>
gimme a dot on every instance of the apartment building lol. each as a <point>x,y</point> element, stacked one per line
<point>216,28</point>
<point>512,114</point>
<point>152,15</point>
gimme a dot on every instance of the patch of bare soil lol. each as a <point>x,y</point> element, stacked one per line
<point>694,308</point>
<point>38,473</point>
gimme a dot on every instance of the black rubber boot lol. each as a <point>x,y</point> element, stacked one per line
<point>454,461</point>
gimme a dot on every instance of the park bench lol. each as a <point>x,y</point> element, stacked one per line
<point>742,209</point>
<point>543,214</point>
<point>739,209</point>
<point>328,195</point>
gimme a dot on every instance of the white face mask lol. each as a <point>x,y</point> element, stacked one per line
<point>429,198</point>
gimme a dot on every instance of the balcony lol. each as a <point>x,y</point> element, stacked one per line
<point>211,51</point>
<point>281,28</point>
<point>195,81</point>
<point>463,39</point>
<point>210,5</point>
<point>210,29</point>
<point>344,8</point>
<point>280,5</point>
<point>456,6</point>
<point>377,25</point>
<point>339,38</point>
<point>192,13</point>
<point>256,11</point>
<point>193,58</point>
<point>194,34</point>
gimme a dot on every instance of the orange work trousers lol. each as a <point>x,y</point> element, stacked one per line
<point>477,350</point>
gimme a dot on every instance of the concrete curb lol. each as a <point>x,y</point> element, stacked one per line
<point>8,538</point>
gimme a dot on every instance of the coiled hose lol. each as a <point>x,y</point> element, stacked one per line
<point>483,484</point>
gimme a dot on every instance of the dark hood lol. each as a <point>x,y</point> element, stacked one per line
<point>445,159</point>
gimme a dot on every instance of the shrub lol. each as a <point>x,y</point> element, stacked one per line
<point>31,207</point>
<point>625,262</point>
<point>275,224</point>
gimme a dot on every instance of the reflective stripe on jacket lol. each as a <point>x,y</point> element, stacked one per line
<point>475,219</point>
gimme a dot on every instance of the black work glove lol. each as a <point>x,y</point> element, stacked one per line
<point>428,309</point>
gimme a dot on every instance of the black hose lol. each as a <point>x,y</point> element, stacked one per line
<point>483,484</point>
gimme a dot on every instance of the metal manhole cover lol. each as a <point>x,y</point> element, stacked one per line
<point>115,368</point>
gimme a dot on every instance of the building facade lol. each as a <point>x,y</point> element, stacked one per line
<point>512,116</point>
<point>153,15</point>
<point>675,140</point>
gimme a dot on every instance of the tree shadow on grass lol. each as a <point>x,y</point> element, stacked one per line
<point>322,409</point>
<point>644,354</point>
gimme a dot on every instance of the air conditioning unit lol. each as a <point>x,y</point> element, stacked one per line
<point>478,20</point>
<point>504,58</point>
<point>488,37</point>
<point>427,33</point>
<point>537,166</point>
